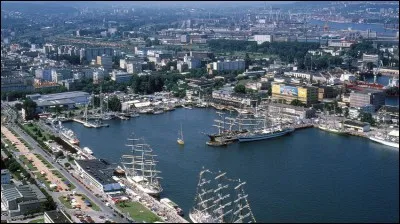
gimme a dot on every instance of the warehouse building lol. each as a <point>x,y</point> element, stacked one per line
<point>367,97</point>
<point>98,173</point>
<point>21,200</point>
<point>291,111</point>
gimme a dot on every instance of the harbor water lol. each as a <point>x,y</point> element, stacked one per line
<point>308,176</point>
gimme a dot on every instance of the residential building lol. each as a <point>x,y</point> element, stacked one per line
<point>192,62</point>
<point>366,97</point>
<point>134,67</point>
<point>98,75</point>
<point>90,54</point>
<point>98,173</point>
<point>185,38</point>
<point>5,176</point>
<point>182,67</point>
<point>21,200</point>
<point>229,65</point>
<point>17,83</point>
<point>56,216</point>
<point>105,61</point>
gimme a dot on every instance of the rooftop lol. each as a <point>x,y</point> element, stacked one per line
<point>99,169</point>
<point>41,103</point>
<point>58,217</point>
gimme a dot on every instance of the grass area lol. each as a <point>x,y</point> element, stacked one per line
<point>45,162</point>
<point>64,201</point>
<point>33,128</point>
<point>244,81</point>
<point>94,206</point>
<point>28,163</point>
<point>59,175</point>
<point>37,221</point>
<point>44,180</point>
<point>10,146</point>
<point>138,212</point>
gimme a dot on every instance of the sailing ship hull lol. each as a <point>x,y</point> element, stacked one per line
<point>192,218</point>
<point>264,136</point>
<point>152,192</point>
<point>332,130</point>
<point>391,144</point>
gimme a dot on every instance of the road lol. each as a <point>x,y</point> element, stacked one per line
<point>79,188</point>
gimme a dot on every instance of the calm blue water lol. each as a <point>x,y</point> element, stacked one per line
<point>379,28</point>
<point>309,176</point>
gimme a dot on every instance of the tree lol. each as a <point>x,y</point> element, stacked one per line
<point>114,104</point>
<point>367,117</point>
<point>247,61</point>
<point>59,154</point>
<point>30,108</point>
<point>67,165</point>
<point>370,65</point>
<point>346,112</point>
<point>18,106</point>
<point>297,102</point>
<point>240,89</point>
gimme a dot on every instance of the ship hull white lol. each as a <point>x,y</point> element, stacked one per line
<point>192,218</point>
<point>391,144</point>
<point>332,130</point>
<point>148,191</point>
<point>263,137</point>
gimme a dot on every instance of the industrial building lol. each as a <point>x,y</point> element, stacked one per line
<point>56,217</point>
<point>21,200</point>
<point>357,125</point>
<point>291,111</point>
<point>306,94</point>
<point>228,97</point>
<point>98,173</point>
<point>367,97</point>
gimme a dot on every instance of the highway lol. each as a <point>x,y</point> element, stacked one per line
<point>79,188</point>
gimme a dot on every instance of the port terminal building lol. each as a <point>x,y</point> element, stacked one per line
<point>98,173</point>
<point>66,100</point>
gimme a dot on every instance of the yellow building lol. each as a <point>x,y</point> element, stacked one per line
<point>307,94</point>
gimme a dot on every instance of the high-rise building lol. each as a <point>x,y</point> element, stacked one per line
<point>229,65</point>
<point>90,54</point>
<point>105,61</point>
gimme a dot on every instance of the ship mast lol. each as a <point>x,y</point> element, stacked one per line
<point>241,206</point>
<point>219,212</point>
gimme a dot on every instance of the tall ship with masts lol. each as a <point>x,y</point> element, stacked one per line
<point>217,202</point>
<point>140,167</point>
